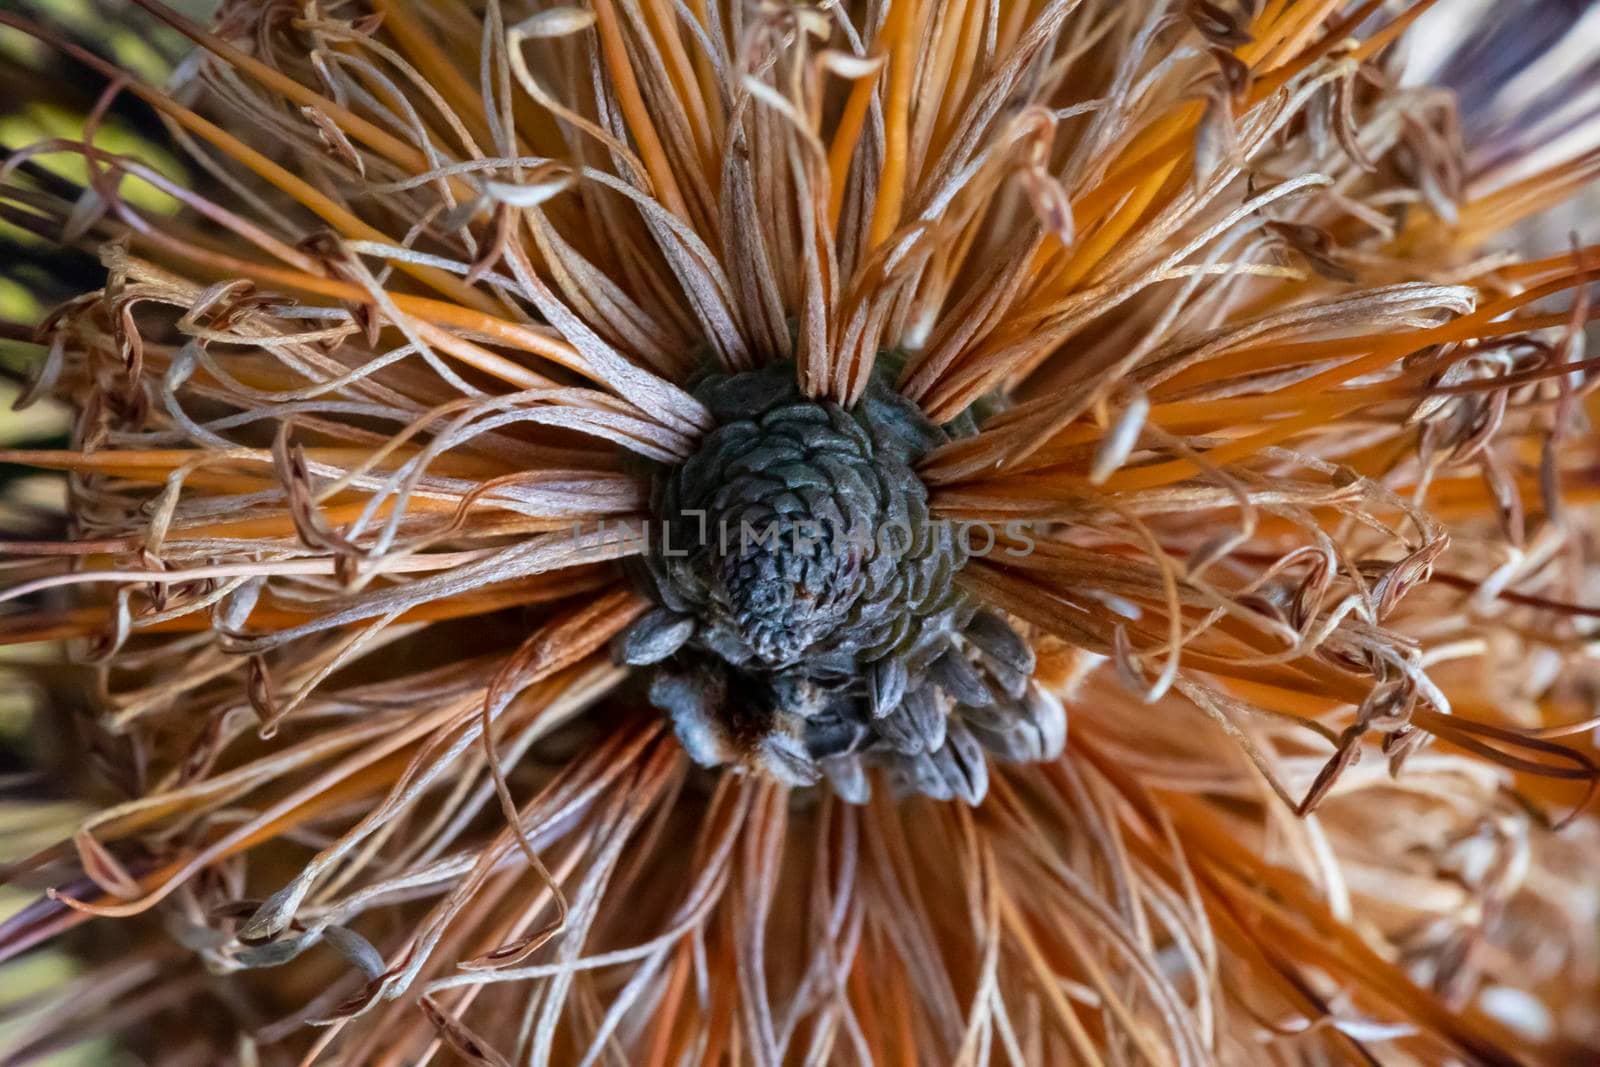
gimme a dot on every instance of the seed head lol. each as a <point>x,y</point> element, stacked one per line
<point>802,586</point>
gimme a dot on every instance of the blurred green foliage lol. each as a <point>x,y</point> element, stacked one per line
<point>42,97</point>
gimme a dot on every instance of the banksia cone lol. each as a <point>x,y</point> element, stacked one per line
<point>799,568</point>
<point>586,530</point>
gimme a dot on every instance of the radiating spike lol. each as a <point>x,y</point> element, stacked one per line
<point>960,760</point>
<point>1047,715</point>
<point>1013,684</point>
<point>830,735</point>
<point>848,778</point>
<point>657,635</point>
<point>903,729</point>
<point>952,673</point>
<point>693,701</point>
<point>919,774</point>
<point>1026,731</point>
<point>992,635</point>
<point>888,685</point>
<point>1012,745</point>
<point>929,716</point>
<point>785,758</point>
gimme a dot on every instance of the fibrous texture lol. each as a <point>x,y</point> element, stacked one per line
<point>383,327</point>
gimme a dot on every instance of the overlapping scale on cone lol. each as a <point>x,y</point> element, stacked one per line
<point>808,624</point>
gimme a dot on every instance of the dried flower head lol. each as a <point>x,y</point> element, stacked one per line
<point>587,526</point>
<point>803,584</point>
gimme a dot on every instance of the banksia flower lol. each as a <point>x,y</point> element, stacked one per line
<point>910,532</point>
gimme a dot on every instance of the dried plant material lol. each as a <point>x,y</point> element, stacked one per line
<point>1315,247</point>
<point>928,532</point>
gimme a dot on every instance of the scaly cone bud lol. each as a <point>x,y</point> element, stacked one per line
<point>809,621</point>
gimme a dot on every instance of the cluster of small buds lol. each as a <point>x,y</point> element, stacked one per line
<point>817,656</point>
